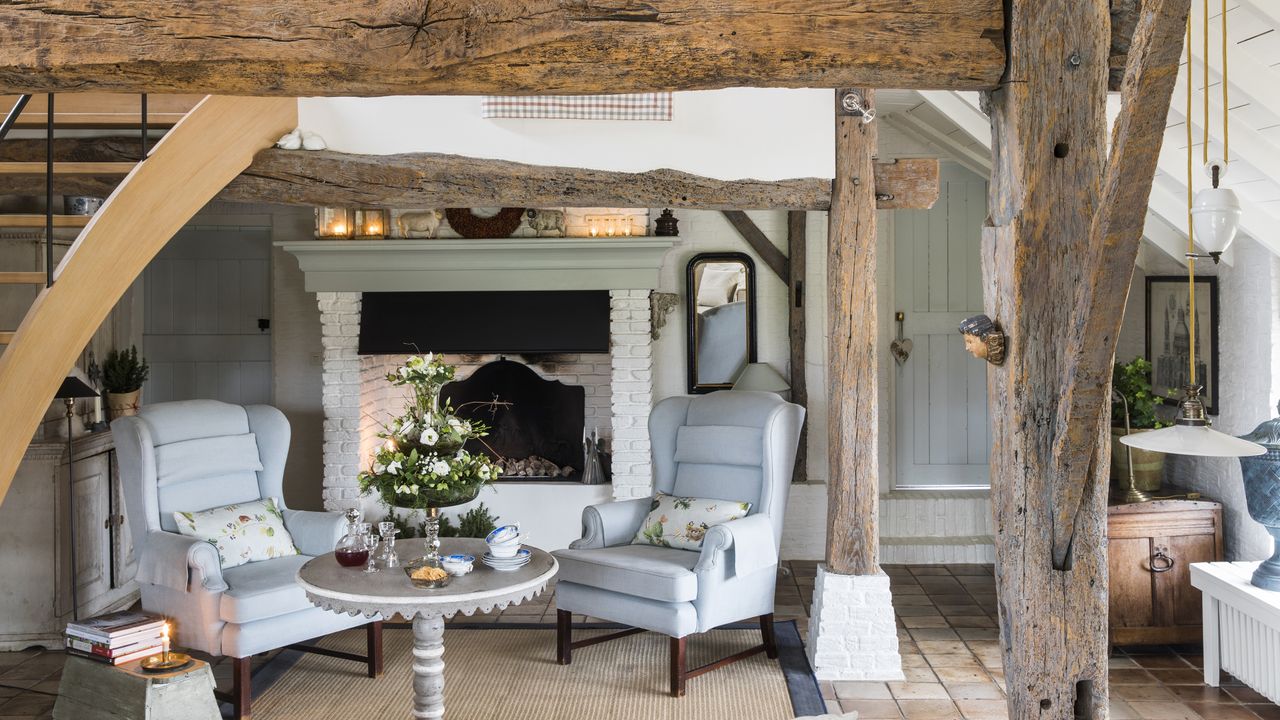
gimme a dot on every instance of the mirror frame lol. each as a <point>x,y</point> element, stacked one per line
<point>691,311</point>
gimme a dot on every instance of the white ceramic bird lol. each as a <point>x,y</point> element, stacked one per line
<point>290,141</point>
<point>312,141</point>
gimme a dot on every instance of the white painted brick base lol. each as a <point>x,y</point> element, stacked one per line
<point>631,345</point>
<point>340,336</point>
<point>852,635</point>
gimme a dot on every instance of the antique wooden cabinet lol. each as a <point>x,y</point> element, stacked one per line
<point>35,598</point>
<point>1150,551</point>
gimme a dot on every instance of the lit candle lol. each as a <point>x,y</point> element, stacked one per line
<point>339,229</point>
<point>97,409</point>
<point>609,229</point>
<point>594,231</point>
<point>626,229</point>
<point>164,639</point>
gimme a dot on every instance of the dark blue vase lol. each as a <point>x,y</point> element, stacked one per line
<point>1262,492</point>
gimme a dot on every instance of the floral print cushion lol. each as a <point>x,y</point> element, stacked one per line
<point>682,522</point>
<point>243,533</point>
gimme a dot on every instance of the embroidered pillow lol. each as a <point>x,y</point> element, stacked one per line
<point>243,533</point>
<point>682,522</point>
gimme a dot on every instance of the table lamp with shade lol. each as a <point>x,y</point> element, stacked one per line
<point>75,386</point>
<point>761,377</point>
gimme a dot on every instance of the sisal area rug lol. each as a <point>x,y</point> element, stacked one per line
<point>497,671</point>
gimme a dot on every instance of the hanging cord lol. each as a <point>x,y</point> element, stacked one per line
<point>1191,248</point>
<point>1226,106</point>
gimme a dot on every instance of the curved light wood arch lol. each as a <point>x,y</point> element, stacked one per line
<point>195,160</point>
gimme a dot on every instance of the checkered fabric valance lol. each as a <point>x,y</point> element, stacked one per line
<point>633,106</point>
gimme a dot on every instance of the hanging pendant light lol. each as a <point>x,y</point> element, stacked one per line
<point>1190,434</point>
<point>1218,211</point>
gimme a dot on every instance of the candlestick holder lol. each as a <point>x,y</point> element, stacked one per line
<point>165,662</point>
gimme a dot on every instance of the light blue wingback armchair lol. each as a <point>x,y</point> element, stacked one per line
<point>727,445</point>
<point>192,455</point>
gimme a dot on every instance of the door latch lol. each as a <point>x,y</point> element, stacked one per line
<point>901,348</point>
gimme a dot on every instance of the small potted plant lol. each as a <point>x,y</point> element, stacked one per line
<point>1133,381</point>
<point>123,374</point>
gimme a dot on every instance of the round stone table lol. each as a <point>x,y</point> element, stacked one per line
<point>389,592</point>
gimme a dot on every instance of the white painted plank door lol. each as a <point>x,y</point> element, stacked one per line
<point>943,436</point>
<point>205,293</point>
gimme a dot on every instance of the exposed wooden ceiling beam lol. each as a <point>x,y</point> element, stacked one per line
<point>422,180</point>
<point>461,47</point>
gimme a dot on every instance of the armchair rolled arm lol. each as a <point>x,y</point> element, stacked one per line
<point>612,523</point>
<point>314,533</point>
<point>750,538</point>
<point>174,561</point>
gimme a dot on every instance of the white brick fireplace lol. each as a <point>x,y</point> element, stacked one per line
<point>619,384</point>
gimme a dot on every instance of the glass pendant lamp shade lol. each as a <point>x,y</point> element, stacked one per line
<point>1215,215</point>
<point>1191,434</point>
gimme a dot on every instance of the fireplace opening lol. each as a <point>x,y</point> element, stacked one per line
<point>536,427</point>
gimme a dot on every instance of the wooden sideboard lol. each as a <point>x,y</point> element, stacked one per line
<point>35,597</point>
<point>1151,548</point>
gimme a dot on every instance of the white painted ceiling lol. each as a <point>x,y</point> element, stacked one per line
<point>952,122</point>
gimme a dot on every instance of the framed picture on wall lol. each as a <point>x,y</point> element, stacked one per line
<point>1169,344</point>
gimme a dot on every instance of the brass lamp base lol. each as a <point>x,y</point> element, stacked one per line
<point>165,662</point>
<point>1134,495</point>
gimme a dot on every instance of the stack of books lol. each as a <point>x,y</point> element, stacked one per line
<point>117,638</point>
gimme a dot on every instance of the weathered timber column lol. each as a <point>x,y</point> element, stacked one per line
<point>796,262</point>
<point>852,634</point>
<point>1049,138</point>
<point>1057,261</point>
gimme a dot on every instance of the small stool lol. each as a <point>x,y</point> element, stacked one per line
<point>97,691</point>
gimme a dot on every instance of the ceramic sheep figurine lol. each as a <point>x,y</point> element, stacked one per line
<point>546,223</point>
<point>420,224</point>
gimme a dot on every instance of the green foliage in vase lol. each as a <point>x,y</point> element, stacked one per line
<point>477,522</point>
<point>1133,381</point>
<point>123,371</point>
<point>422,462</point>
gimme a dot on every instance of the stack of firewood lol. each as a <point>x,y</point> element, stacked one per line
<point>534,466</point>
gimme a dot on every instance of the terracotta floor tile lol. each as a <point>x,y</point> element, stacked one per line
<point>1164,711</point>
<point>970,634</point>
<point>917,611</point>
<point>1130,676</point>
<point>942,647</point>
<point>1123,662</point>
<point>936,622</point>
<point>975,691</point>
<point>862,691</point>
<point>1222,711</point>
<point>919,675</point>
<point>929,710</point>
<point>1266,712</point>
<point>1120,710</point>
<point>918,691</point>
<point>914,660</point>
<point>964,661</point>
<point>952,675</point>
<point>1201,694</point>
<point>913,601</point>
<point>1178,676</point>
<point>974,621</point>
<point>943,633</point>
<point>872,709</point>
<point>1151,693</point>
<point>1166,660</point>
<point>983,709</point>
<point>1246,694</point>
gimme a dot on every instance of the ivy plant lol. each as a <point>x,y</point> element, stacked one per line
<point>1133,381</point>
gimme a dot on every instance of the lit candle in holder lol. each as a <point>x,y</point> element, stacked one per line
<point>626,228</point>
<point>164,642</point>
<point>594,231</point>
<point>610,227</point>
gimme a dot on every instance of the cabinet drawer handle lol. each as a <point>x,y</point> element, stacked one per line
<point>1166,562</point>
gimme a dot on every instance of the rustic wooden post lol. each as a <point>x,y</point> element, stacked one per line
<point>1056,260</point>
<point>852,377</point>
<point>852,634</point>
<point>797,257</point>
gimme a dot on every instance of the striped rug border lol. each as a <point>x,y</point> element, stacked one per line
<point>802,686</point>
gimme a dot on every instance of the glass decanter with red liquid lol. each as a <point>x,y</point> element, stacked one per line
<point>353,548</point>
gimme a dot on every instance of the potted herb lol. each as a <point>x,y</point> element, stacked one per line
<point>1133,381</point>
<point>123,374</point>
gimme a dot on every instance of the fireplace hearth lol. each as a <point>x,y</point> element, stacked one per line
<point>536,425</point>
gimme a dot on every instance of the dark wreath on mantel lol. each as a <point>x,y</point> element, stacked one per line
<point>466,223</point>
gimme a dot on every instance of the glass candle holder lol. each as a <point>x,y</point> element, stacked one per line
<point>333,223</point>
<point>371,223</point>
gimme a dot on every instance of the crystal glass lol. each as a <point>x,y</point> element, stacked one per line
<point>370,545</point>
<point>387,557</point>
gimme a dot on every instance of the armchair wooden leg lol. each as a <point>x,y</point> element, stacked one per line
<point>241,687</point>
<point>564,637</point>
<point>770,639</point>
<point>679,671</point>
<point>373,641</point>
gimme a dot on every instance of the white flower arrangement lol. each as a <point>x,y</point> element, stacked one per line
<point>423,463</point>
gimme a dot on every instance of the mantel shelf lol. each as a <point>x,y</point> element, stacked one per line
<point>454,264</point>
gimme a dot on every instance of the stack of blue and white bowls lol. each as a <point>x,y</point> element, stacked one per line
<point>505,551</point>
